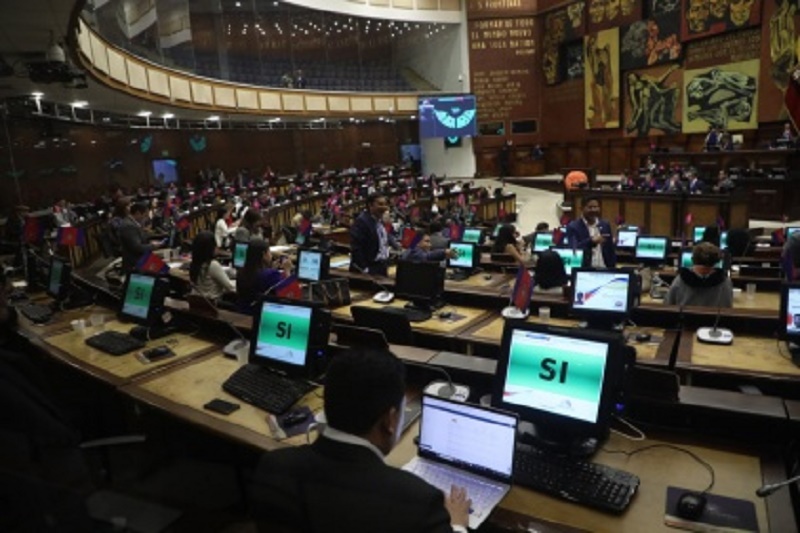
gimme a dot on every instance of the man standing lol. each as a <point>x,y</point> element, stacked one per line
<point>369,240</point>
<point>592,234</point>
<point>341,482</point>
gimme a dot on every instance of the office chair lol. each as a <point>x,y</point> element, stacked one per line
<point>356,336</point>
<point>739,242</point>
<point>394,326</point>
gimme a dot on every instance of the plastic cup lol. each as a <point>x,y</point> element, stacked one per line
<point>751,291</point>
<point>78,325</point>
<point>97,320</point>
<point>544,314</point>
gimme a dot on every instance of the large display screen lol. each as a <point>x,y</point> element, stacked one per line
<point>571,258</point>
<point>138,296</point>
<point>601,291</point>
<point>447,116</point>
<point>561,376</point>
<point>464,257</point>
<point>283,333</point>
<point>652,248</point>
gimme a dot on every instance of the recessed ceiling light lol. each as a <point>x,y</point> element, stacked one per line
<point>214,118</point>
<point>168,115</point>
<point>80,103</point>
<point>145,113</point>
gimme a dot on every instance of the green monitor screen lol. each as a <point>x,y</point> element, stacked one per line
<point>651,248</point>
<point>472,235</point>
<point>542,241</point>
<point>465,255</point>
<point>723,240</point>
<point>571,258</point>
<point>138,296</point>
<point>283,334</point>
<point>240,254</point>
<point>687,262</point>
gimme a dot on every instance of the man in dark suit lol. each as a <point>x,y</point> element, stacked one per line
<point>592,234</point>
<point>132,237</point>
<point>341,482</point>
<point>369,240</point>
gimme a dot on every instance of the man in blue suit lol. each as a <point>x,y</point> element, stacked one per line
<point>592,234</point>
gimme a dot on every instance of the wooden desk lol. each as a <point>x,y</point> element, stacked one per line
<point>737,475</point>
<point>435,325</point>
<point>747,356</point>
<point>761,301</point>
<point>70,347</point>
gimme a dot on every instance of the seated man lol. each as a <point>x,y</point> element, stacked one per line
<point>341,482</point>
<point>423,252</point>
<point>703,284</point>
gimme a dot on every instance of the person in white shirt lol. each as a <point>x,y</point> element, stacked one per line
<point>206,273</point>
<point>221,228</point>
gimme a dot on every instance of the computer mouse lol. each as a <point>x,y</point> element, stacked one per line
<point>159,351</point>
<point>445,315</point>
<point>642,337</point>
<point>690,505</point>
<point>292,419</point>
<point>487,277</point>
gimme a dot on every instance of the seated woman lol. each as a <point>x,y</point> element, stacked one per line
<point>424,252</point>
<point>258,275</point>
<point>550,275</point>
<point>208,277</point>
<point>506,243</point>
<point>703,284</point>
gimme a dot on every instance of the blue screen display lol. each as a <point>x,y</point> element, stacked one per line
<point>447,116</point>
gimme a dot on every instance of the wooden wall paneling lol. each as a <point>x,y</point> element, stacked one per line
<point>619,156</point>
<point>577,156</point>
<point>598,156</point>
<point>660,218</point>
<point>556,157</point>
<point>635,213</point>
<point>610,209</point>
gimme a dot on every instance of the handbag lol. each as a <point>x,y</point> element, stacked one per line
<point>332,292</point>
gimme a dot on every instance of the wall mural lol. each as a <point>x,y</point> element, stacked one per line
<point>703,18</point>
<point>724,96</point>
<point>663,7</point>
<point>650,42</point>
<point>601,79</point>
<point>653,101</point>
<point>572,61</point>
<point>779,52</point>
<point>560,26</point>
<point>604,14</point>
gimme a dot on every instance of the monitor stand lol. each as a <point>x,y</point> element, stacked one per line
<point>552,440</point>
<point>794,352</point>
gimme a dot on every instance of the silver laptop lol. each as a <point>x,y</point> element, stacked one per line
<point>469,446</point>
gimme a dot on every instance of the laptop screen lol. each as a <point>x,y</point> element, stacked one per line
<point>471,437</point>
<point>283,334</point>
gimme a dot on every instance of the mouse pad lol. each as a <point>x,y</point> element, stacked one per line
<point>454,317</point>
<point>720,514</point>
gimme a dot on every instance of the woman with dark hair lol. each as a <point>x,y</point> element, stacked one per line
<point>207,275</point>
<point>506,243</point>
<point>221,227</point>
<point>258,275</point>
<point>250,228</point>
<point>550,275</point>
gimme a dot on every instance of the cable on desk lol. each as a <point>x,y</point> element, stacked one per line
<point>640,436</point>
<point>690,453</point>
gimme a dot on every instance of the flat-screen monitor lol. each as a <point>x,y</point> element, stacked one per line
<point>790,311</point>
<point>312,265</point>
<point>791,230</point>
<point>542,241</point>
<point>58,280</point>
<point>602,297</point>
<point>651,249</point>
<point>473,235</point>
<point>240,254</point>
<point>687,262</point>
<point>723,240</point>
<point>422,283</point>
<point>562,380</point>
<point>571,258</point>
<point>447,116</point>
<point>466,256</point>
<point>165,171</point>
<point>626,237</point>
<point>496,230</point>
<point>290,336</point>
<point>143,298</point>
<point>564,241</point>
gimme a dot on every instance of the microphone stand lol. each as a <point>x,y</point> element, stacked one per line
<point>443,389</point>
<point>767,490</point>
<point>385,296</point>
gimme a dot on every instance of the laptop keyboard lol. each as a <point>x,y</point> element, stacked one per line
<point>585,483</point>
<point>115,342</point>
<point>265,389</point>
<point>36,313</point>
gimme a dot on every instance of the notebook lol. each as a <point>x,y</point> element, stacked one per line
<point>469,446</point>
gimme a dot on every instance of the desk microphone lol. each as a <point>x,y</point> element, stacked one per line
<point>767,490</point>
<point>443,389</point>
<point>383,297</point>
<point>715,335</point>
<point>238,348</point>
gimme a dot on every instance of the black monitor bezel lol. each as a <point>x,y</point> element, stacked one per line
<point>476,256</point>
<point>324,268</point>
<point>594,314</point>
<point>65,280</point>
<point>318,338</point>
<point>783,332</point>
<point>650,260</point>
<point>156,305</point>
<point>613,374</point>
<point>432,268</point>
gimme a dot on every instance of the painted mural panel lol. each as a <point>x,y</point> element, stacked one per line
<point>601,85</point>
<point>653,101</point>
<point>779,52</point>
<point>703,18</point>
<point>650,42</point>
<point>724,96</point>
<point>605,14</point>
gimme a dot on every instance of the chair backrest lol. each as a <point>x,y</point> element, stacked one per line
<point>738,242</point>
<point>395,327</point>
<point>347,335</point>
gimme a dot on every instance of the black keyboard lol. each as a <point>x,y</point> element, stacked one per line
<point>115,343</point>
<point>590,484</point>
<point>413,315</point>
<point>36,313</point>
<point>265,389</point>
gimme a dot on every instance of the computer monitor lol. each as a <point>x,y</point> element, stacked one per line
<point>290,336</point>
<point>472,235</point>
<point>791,230</point>
<point>143,298</point>
<point>421,283</point>
<point>603,297</point>
<point>571,258</point>
<point>723,240</point>
<point>626,237</point>
<point>312,265</point>
<point>564,240</point>
<point>790,319</point>
<point>542,241</point>
<point>687,262</point>
<point>699,231</point>
<point>240,254</point>
<point>564,381</point>
<point>466,256</point>
<point>58,280</point>
<point>652,250</point>
<point>496,230</point>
